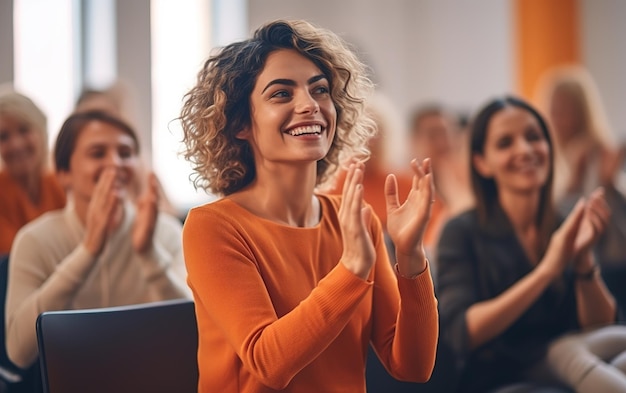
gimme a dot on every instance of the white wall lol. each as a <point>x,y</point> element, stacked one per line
<point>455,51</point>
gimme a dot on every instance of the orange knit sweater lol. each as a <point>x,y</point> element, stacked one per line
<point>276,310</point>
<point>17,209</point>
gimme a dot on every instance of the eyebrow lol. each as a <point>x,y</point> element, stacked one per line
<point>290,82</point>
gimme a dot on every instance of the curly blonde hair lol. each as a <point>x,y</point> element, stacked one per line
<point>218,107</point>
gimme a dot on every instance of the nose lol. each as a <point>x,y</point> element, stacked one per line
<point>523,146</point>
<point>307,104</point>
<point>114,159</point>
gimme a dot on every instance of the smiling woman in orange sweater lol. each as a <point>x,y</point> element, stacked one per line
<point>290,285</point>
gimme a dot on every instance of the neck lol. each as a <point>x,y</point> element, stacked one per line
<point>521,209</point>
<point>285,196</point>
<point>31,185</point>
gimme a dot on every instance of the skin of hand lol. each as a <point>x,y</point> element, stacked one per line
<point>147,212</point>
<point>407,222</point>
<point>578,233</point>
<point>101,212</point>
<point>594,223</point>
<point>359,253</point>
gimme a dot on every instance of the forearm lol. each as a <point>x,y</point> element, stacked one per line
<point>410,266</point>
<point>488,319</point>
<point>29,294</point>
<point>417,330</point>
<point>595,304</point>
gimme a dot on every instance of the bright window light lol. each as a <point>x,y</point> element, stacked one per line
<point>180,44</point>
<point>46,65</point>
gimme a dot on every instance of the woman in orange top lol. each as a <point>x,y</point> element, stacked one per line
<point>29,188</point>
<point>291,285</point>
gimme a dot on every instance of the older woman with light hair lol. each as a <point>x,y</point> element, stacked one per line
<point>588,153</point>
<point>29,188</point>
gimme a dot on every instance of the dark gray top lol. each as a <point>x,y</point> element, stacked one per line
<point>477,263</point>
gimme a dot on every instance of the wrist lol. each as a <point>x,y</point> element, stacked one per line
<point>411,266</point>
<point>588,274</point>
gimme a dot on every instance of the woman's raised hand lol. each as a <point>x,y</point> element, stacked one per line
<point>594,222</point>
<point>579,232</point>
<point>101,211</point>
<point>407,222</point>
<point>359,254</point>
<point>147,212</point>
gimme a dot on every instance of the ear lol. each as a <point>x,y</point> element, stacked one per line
<point>481,166</point>
<point>243,134</point>
<point>64,180</point>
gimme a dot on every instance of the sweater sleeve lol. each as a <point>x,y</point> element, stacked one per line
<point>230,292</point>
<point>163,265</point>
<point>32,290</point>
<point>405,320</point>
<point>7,234</point>
<point>456,283</point>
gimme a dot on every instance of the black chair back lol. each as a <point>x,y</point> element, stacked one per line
<point>140,348</point>
<point>9,372</point>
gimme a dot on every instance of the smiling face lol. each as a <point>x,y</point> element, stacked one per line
<point>516,153</point>
<point>100,145</point>
<point>293,117</point>
<point>21,146</point>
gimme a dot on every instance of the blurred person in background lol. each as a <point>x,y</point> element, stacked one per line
<point>380,164</point>
<point>436,132</point>
<point>28,188</point>
<point>523,304</point>
<point>116,101</point>
<point>588,153</point>
<point>104,248</point>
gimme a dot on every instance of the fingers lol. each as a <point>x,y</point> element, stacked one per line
<point>352,201</point>
<point>573,220</point>
<point>392,199</point>
<point>422,180</point>
<point>598,211</point>
<point>100,211</point>
<point>108,199</point>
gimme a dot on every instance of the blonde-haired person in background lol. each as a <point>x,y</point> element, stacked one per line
<point>588,153</point>
<point>291,286</point>
<point>28,188</point>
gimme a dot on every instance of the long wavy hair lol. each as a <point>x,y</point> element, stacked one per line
<point>218,106</point>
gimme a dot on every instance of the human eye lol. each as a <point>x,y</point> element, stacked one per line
<point>96,153</point>
<point>125,152</point>
<point>322,89</point>
<point>504,142</point>
<point>280,94</point>
<point>534,135</point>
<point>24,130</point>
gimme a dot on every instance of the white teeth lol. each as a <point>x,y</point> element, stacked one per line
<point>317,129</point>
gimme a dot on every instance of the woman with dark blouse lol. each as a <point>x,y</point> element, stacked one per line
<point>522,302</point>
